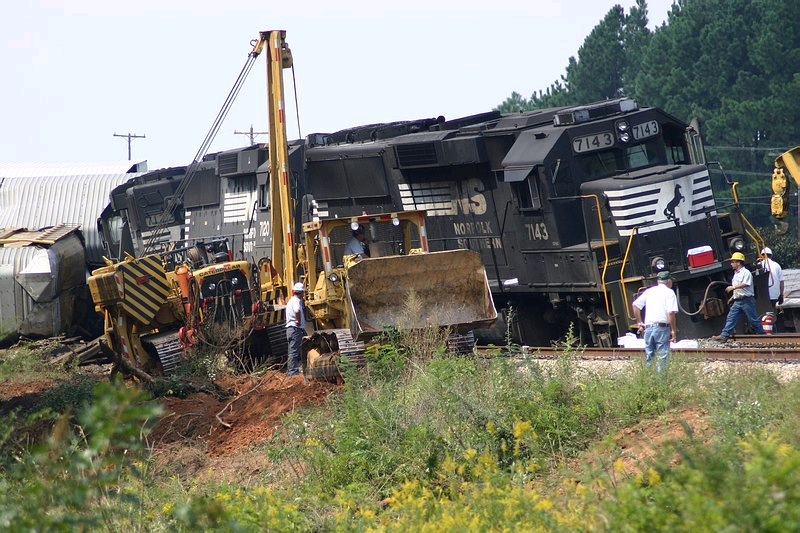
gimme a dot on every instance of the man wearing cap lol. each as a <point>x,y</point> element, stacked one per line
<point>358,244</point>
<point>295,328</point>
<point>660,324</point>
<point>742,300</point>
<point>775,280</point>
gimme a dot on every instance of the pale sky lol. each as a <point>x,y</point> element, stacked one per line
<point>76,72</point>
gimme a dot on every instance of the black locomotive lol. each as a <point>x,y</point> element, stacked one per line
<point>574,210</point>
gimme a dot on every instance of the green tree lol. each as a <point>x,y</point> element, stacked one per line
<point>760,107</point>
<point>733,64</point>
<point>598,71</point>
<point>636,39</point>
<point>514,104</point>
<point>610,55</point>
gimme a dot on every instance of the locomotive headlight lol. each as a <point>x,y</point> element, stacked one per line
<point>354,226</point>
<point>395,221</point>
<point>624,137</point>
<point>736,244</point>
<point>658,263</point>
<point>622,126</point>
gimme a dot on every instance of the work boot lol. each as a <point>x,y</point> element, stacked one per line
<point>719,338</point>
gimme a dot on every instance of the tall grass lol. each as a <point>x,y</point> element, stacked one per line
<point>424,440</point>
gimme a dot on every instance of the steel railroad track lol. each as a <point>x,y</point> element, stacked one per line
<point>751,348</point>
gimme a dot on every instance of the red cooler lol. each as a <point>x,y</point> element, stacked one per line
<point>700,256</point>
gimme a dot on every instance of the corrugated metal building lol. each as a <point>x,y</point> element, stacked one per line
<point>41,195</point>
<point>37,195</point>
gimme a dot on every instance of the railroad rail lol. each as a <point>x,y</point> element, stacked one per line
<point>752,348</point>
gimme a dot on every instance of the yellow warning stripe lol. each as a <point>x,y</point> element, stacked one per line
<point>146,287</point>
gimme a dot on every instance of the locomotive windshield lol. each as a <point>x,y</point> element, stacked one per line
<point>609,162</point>
<point>666,149</point>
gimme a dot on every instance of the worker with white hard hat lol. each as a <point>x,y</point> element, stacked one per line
<point>295,328</point>
<point>773,270</point>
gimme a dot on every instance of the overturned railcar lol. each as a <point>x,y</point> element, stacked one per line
<point>573,210</point>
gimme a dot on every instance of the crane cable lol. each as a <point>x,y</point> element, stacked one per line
<point>296,105</point>
<point>201,152</point>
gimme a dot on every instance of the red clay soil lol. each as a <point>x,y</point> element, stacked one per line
<point>10,390</point>
<point>250,411</point>
<point>631,448</point>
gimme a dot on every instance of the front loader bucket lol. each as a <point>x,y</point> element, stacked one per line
<point>413,291</point>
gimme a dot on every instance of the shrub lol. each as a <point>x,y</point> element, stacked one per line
<point>749,485</point>
<point>81,477</point>
<point>742,402</point>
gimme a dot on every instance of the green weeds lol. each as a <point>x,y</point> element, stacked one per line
<point>424,440</point>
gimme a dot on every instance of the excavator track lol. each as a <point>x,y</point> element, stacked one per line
<point>461,344</point>
<point>325,351</point>
<point>349,349</point>
<point>278,344</point>
<point>167,349</point>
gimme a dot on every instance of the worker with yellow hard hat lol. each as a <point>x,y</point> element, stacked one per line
<point>742,300</point>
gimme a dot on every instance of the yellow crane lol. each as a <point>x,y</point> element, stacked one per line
<point>786,163</point>
<point>160,305</point>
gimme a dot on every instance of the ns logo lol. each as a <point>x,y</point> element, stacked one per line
<point>468,198</point>
<point>440,198</point>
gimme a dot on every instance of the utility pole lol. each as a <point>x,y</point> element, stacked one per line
<point>130,136</point>
<point>252,134</point>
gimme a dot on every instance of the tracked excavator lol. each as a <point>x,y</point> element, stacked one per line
<point>161,305</point>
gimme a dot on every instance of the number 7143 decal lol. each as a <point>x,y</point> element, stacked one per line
<point>588,143</point>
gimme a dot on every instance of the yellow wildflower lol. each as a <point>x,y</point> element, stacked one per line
<point>522,428</point>
<point>543,505</point>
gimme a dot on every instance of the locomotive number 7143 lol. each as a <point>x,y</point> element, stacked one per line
<point>537,231</point>
<point>589,143</point>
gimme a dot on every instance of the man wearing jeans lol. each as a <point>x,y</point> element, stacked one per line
<point>295,328</point>
<point>742,300</point>
<point>660,324</point>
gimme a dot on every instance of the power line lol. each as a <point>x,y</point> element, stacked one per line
<point>130,136</point>
<point>252,134</point>
<point>764,174</point>
<point>747,148</point>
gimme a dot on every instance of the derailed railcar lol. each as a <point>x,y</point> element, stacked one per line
<point>574,210</point>
<point>42,283</point>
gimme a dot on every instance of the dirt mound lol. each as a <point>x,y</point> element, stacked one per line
<point>248,412</point>
<point>638,444</point>
<point>631,448</point>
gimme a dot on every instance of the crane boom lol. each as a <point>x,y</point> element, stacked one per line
<point>279,57</point>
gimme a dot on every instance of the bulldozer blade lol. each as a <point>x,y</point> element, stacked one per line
<point>447,288</point>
